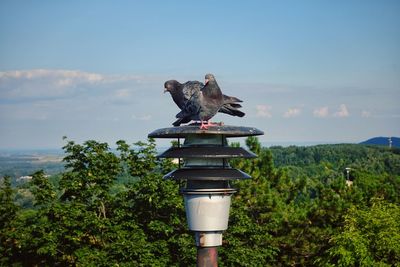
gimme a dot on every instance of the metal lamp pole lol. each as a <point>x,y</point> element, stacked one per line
<point>207,174</point>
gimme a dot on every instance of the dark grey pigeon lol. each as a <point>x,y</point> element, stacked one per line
<point>202,105</point>
<point>181,93</point>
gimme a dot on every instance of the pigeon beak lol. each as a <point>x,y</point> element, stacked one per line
<point>165,90</point>
<point>206,81</point>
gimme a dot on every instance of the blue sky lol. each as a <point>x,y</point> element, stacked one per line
<point>307,71</point>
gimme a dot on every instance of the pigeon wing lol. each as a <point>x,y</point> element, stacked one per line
<point>190,88</point>
<point>190,111</point>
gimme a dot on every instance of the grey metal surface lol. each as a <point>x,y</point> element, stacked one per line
<point>211,174</point>
<point>226,130</point>
<point>208,191</point>
<point>207,152</point>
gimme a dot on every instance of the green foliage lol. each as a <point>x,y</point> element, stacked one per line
<point>92,169</point>
<point>115,209</point>
<point>42,189</point>
<point>8,214</point>
<point>370,237</point>
<point>8,209</point>
<point>371,159</point>
<point>140,161</point>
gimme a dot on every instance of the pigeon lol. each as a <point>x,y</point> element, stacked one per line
<point>201,104</point>
<point>181,93</point>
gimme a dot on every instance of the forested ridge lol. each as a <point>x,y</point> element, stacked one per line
<point>112,208</point>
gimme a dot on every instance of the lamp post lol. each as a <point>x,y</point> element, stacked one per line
<point>207,173</point>
<point>348,173</point>
<point>349,182</point>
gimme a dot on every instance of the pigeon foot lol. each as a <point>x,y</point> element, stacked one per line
<point>205,125</point>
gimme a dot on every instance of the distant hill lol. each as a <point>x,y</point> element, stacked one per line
<point>383,141</point>
<point>313,161</point>
<point>25,163</point>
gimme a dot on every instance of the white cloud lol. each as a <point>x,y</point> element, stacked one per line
<point>44,73</point>
<point>342,112</point>
<point>124,96</point>
<point>263,111</point>
<point>365,114</point>
<point>55,84</point>
<point>292,112</point>
<point>45,84</point>
<point>321,112</point>
<point>122,93</point>
<point>145,117</point>
<point>64,95</point>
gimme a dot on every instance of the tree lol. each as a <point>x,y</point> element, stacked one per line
<point>156,205</point>
<point>8,213</point>
<point>91,171</point>
<point>8,209</point>
<point>42,189</point>
<point>369,237</point>
<point>300,214</point>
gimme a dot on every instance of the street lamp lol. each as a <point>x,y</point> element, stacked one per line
<point>207,192</point>
<point>349,182</point>
<point>348,173</point>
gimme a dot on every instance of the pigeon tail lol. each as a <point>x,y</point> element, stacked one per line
<point>231,99</point>
<point>231,111</point>
<point>234,105</point>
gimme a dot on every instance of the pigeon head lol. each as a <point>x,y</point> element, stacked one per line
<point>209,77</point>
<point>171,86</point>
